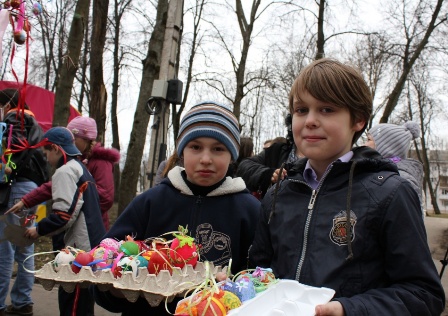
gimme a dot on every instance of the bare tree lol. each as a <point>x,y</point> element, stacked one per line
<point>71,60</point>
<point>151,69</point>
<point>98,93</point>
<point>120,8</point>
<point>426,108</point>
<point>197,10</point>
<point>413,46</point>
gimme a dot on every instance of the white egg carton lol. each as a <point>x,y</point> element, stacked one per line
<point>285,298</point>
<point>154,288</point>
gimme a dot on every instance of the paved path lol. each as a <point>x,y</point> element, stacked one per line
<point>46,303</point>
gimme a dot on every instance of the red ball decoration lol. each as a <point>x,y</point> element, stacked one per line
<point>20,37</point>
<point>15,4</point>
<point>83,258</point>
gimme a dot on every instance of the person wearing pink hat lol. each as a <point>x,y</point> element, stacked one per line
<point>99,161</point>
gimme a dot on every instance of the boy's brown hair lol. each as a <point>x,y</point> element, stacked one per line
<point>330,81</point>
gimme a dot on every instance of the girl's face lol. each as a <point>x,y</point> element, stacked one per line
<point>206,161</point>
<point>322,131</point>
<point>370,142</point>
<point>82,144</point>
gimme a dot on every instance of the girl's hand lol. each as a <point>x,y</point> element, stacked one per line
<point>16,208</point>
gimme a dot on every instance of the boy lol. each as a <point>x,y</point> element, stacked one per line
<point>219,211</point>
<point>75,210</point>
<point>344,218</point>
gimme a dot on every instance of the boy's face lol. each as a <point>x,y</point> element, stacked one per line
<point>206,161</point>
<point>322,131</point>
<point>53,155</point>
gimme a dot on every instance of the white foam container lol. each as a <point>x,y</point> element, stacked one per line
<point>285,298</point>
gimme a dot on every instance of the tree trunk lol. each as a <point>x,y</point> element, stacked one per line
<point>246,33</point>
<point>71,60</point>
<point>151,69</point>
<point>98,93</point>
<point>320,53</point>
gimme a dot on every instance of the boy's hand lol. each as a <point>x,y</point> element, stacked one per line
<point>275,176</point>
<point>16,207</point>
<point>31,233</point>
<point>330,309</point>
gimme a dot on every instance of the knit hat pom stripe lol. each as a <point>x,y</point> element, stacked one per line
<point>209,119</point>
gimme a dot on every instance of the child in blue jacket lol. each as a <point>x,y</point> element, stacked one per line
<point>75,210</point>
<point>219,211</point>
<point>343,218</point>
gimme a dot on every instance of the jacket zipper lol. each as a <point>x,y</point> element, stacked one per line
<point>307,224</point>
<point>196,212</point>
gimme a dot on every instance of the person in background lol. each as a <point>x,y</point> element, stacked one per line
<point>75,211</point>
<point>31,170</point>
<point>165,166</point>
<point>262,170</point>
<point>393,142</point>
<point>267,143</point>
<point>343,218</point>
<point>219,212</point>
<point>99,161</point>
<point>246,150</point>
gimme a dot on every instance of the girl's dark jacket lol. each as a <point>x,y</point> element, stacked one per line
<point>385,268</point>
<point>222,223</point>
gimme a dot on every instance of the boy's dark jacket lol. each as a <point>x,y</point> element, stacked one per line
<point>223,223</point>
<point>391,272</point>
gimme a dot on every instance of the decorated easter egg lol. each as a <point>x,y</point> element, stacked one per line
<point>15,4</point>
<point>158,261</point>
<point>110,243</point>
<point>230,300</point>
<point>37,8</point>
<point>63,257</point>
<point>142,262</point>
<point>81,259</point>
<point>211,306</point>
<point>183,251</point>
<point>243,288</point>
<point>128,264</point>
<point>19,37</point>
<point>130,248</point>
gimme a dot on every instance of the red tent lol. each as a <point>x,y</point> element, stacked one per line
<point>41,103</point>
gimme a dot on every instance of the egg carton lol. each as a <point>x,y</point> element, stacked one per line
<point>154,288</point>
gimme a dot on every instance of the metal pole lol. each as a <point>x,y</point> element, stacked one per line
<point>167,71</point>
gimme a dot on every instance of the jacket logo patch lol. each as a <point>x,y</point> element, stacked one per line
<point>338,234</point>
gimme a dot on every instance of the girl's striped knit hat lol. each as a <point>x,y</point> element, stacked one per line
<point>210,119</point>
